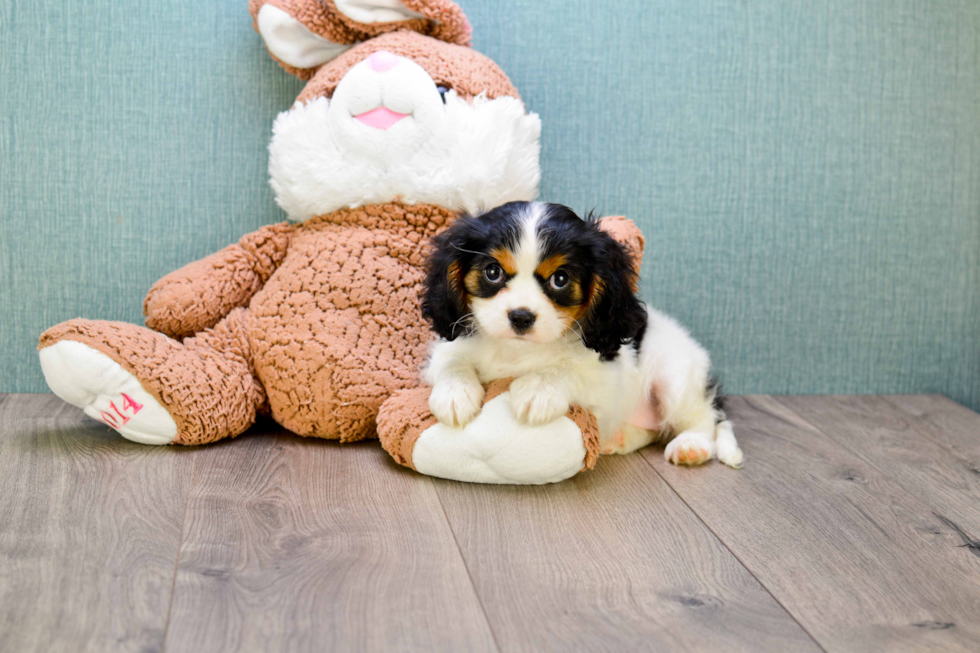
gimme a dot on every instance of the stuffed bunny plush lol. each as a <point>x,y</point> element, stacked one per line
<point>400,127</point>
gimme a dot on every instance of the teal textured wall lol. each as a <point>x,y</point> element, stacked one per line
<point>807,174</point>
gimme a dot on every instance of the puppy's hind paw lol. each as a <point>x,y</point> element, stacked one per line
<point>455,403</point>
<point>728,451</point>
<point>534,401</point>
<point>690,448</point>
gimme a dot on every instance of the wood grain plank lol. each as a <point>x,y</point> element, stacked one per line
<point>906,448</point>
<point>305,545</point>
<point>610,560</point>
<point>89,531</point>
<point>854,557</point>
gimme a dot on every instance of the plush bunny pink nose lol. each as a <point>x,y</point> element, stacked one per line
<point>382,61</point>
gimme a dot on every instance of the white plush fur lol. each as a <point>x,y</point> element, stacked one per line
<point>553,368</point>
<point>460,155</point>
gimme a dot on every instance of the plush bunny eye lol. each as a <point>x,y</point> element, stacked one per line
<point>558,280</point>
<point>493,273</point>
<point>442,93</point>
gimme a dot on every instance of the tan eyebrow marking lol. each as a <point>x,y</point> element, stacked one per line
<point>550,265</point>
<point>506,259</point>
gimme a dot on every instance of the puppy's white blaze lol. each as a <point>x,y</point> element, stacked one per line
<point>528,253</point>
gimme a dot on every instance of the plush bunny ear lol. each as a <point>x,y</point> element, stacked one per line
<point>376,11</point>
<point>440,19</point>
<point>291,42</point>
<point>303,35</point>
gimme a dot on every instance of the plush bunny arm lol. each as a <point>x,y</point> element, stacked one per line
<point>198,295</point>
<point>626,233</point>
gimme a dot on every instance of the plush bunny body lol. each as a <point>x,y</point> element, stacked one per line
<point>317,321</point>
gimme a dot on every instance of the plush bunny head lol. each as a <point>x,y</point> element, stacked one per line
<point>397,107</point>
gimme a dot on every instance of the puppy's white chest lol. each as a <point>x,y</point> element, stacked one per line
<point>501,360</point>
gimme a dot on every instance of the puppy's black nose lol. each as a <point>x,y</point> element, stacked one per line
<point>521,319</point>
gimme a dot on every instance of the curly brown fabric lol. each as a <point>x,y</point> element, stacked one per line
<point>337,328</point>
<point>496,388</point>
<point>589,425</point>
<point>401,420</point>
<point>444,20</point>
<point>465,70</point>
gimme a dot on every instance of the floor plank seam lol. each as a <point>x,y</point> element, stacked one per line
<point>459,549</point>
<point>180,551</point>
<point>735,555</point>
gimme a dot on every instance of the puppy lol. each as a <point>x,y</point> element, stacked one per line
<point>532,291</point>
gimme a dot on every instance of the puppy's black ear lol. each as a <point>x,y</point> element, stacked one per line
<point>444,296</point>
<point>616,317</point>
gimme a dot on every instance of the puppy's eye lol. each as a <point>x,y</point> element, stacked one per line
<point>442,93</point>
<point>493,273</point>
<point>559,280</point>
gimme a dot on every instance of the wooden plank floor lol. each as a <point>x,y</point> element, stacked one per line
<point>854,526</point>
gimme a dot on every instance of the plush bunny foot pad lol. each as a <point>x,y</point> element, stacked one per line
<point>492,448</point>
<point>98,385</point>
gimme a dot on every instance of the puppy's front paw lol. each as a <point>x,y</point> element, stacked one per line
<point>456,402</point>
<point>535,401</point>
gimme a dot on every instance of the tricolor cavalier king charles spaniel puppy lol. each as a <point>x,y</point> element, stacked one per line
<point>534,292</point>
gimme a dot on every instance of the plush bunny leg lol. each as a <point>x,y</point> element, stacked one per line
<point>493,447</point>
<point>151,388</point>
